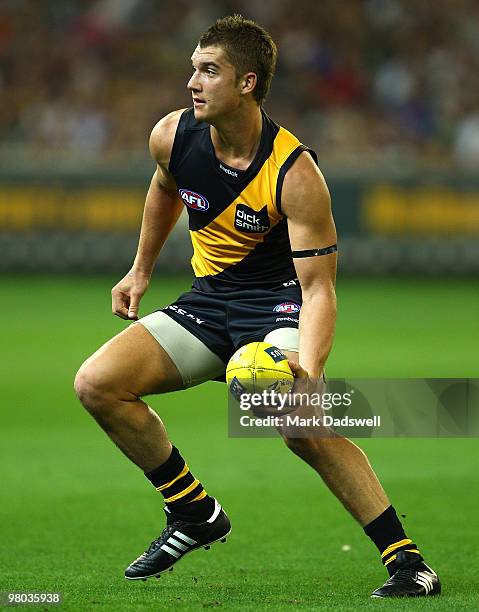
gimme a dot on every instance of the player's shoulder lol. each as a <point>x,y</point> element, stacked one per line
<point>304,186</point>
<point>163,135</point>
<point>304,168</point>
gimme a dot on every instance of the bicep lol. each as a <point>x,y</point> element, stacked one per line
<point>164,180</point>
<point>307,205</point>
<point>163,197</point>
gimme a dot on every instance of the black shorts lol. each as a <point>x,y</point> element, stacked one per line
<point>226,321</point>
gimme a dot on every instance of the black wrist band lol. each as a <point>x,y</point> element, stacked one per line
<point>315,252</point>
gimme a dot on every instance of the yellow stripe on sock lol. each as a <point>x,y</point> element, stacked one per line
<point>183,472</point>
<point>394,546</point>
<point>181,494</point>
<point>198,497</point>
<point>393,558</point>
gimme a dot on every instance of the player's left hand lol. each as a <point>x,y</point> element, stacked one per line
<point>303,383</point>
<point>303,404</point>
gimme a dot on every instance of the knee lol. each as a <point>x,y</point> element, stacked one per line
<point>91,388</point>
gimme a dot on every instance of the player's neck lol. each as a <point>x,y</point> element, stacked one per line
<point>236,140</point>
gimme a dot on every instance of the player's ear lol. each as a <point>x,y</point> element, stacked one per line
<point>248,82</point>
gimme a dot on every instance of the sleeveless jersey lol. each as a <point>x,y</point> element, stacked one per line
<point>239,234</point>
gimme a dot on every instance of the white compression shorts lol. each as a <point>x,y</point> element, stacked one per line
<point>195,361</point>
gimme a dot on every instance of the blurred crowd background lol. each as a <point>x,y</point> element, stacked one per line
<point>386,91</point>
<point>366,82</point>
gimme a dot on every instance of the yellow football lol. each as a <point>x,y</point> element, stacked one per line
<point>258,367</point>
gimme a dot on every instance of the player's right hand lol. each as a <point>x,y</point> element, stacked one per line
<point>126,295</point>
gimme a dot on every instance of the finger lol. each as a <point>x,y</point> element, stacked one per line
<point>298,371</point>
<point>120,310</point>
<point>119,305</point>
<point>134,306</point>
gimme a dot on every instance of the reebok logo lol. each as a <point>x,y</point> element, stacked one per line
<point>251,221</point>
<point>228,171</point>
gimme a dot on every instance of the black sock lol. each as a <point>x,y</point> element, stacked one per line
<point>388,534</point>
<point>184,495</point>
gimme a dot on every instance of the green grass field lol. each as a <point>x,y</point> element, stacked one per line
<point>75,512</point>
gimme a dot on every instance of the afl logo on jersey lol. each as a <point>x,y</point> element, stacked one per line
<point>287,307</point>
<point>194,200</point>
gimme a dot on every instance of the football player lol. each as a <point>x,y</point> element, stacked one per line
<point>264,262</point>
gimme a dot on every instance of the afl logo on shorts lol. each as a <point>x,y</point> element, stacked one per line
<point>194,200</point>
<point>287,307</point>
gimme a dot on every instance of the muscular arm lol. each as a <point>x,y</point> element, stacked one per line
<point>163,206</point>
<point>161,212</point>
<point>307,205</point>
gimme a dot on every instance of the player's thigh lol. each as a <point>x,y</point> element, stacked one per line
<point>189,351</point>
<point>133,363</point>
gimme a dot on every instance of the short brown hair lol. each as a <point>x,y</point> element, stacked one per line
<point>248,47</point>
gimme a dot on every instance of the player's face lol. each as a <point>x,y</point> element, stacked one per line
<point>213,85</point>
